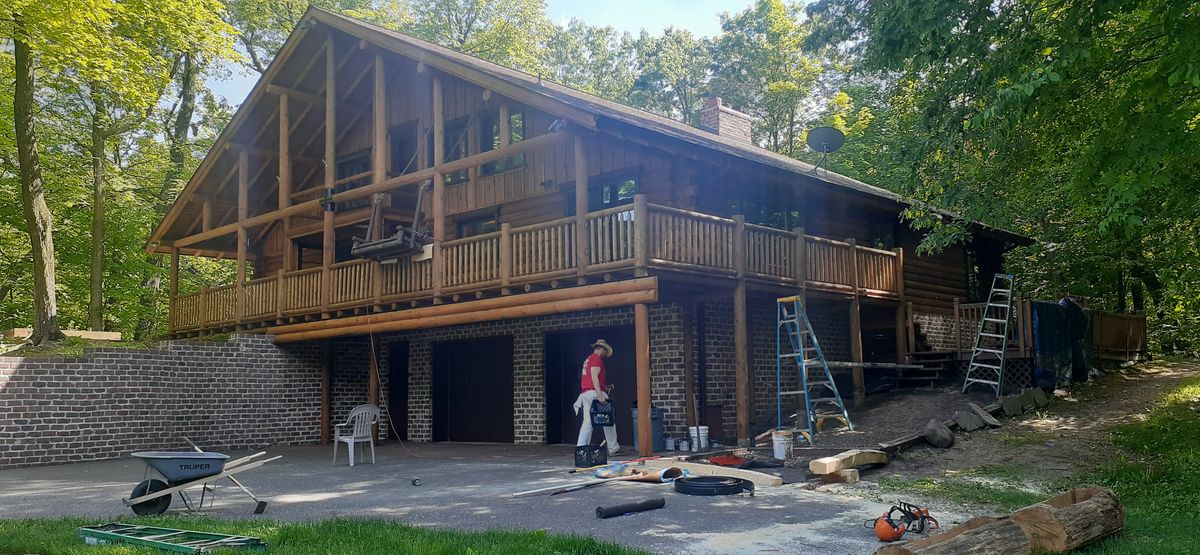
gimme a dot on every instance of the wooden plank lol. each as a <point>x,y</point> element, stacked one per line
<point>26,333</point>
<point>641,323</point>
<point>528,311</point>
<point>698,469</point>
<point>315,99</point>
<point>853,458</point>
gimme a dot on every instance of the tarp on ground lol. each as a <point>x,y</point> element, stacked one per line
<point>1062,343</point>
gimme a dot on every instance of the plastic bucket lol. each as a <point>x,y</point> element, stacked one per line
<point>670,441</point>
<point>781,441</point>
<point>694,431</point>
<point>683,445</point>
<point>704,437</point>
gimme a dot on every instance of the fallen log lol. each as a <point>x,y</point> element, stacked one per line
<point>1071,520</point>
<point>978,536</point>
<point>847,459</point>
<point>697,469</point>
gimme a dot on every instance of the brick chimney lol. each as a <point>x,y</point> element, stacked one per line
<point>724,121</point>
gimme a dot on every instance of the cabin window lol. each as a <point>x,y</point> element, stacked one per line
<point>881,233</point>
<point>354,164</point>
<point>454,147</point>
<point>606,191</point>
<point>477,225</point>
<point>403,141</point>
<point>489,139</point>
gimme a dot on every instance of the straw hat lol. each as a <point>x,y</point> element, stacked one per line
<point>605,345</point>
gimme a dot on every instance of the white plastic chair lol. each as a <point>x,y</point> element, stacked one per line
<point>360,422</point>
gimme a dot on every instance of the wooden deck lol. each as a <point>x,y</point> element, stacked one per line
<point>637,239</point>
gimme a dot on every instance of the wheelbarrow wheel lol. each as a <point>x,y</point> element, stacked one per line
<point>156,506</point>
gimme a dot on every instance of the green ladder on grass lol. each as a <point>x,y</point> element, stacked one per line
<point>821,398</point>
<point>169,539</point>
<point>991,342</point>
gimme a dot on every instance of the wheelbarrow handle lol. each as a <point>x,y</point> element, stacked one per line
<point>261,505</point>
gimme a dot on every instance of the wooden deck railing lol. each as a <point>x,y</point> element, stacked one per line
<point>635,237</point>
<point>1118,335</point>
<point>1020,328</point>
<point>1121,336</point>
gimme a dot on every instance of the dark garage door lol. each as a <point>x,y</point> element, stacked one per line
<point>565,353</point>
<point>473,390</point>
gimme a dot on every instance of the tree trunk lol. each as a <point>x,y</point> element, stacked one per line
<point>99,137</point>
<point>177,137</point>
<point>1071,520</point>
<point>38,220</point>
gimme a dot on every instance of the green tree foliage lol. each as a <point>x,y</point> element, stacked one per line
<point>1074,122</point>
<point>508,32</point>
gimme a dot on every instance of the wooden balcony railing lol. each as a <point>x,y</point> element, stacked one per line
<point>637,237</point>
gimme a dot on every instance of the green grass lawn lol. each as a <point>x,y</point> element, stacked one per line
<point>1156,475</point>
<point>341,536</point>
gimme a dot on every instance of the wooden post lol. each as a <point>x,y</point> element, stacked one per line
<point>439,187</point>
<point>285,180</point>
<point>329,239</point>
<point>326,374</point>
<point>856,347</point>
<point>641,321</point>
<point>174,289</point>
<point>741,339</point>
<point>206,215</point>
<point>901,343</point>
<point>506,260</point>
<point>280,294</point>
<point>912,332</point>
<point>641,234</point>
<point>1020,326</point>
<point>373,379</point>
<point>379,161</point>
<point>582,256</point>
<point>242,213</point>
<point>801,259</point>
<point>689,363</point>
<point>957,329</point>
<point>202,320</point>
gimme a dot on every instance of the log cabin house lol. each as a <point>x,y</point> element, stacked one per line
<point>556,218</point>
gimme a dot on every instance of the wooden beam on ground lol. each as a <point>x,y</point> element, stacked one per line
<point>641,324</point>
<point>698,469</point>
<point>527,311</point>
<point>853,458</point>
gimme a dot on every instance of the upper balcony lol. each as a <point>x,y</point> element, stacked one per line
<point>634,239</point>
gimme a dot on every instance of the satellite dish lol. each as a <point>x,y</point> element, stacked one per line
<point>825,139</point>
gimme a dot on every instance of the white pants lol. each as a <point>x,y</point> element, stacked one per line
<point>585,430</point>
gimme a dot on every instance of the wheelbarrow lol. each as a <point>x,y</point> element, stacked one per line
<point>181,470</point>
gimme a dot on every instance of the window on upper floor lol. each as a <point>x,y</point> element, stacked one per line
<point>403,142</point>
<point>606,190</point>
<point>476,225</point>
<point>454,144</point>
<point>490,139</point>
<point>349,166</point>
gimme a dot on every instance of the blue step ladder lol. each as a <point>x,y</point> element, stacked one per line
<point>802,351</point>
<point>991,342</point>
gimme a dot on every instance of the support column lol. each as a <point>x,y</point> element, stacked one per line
<point>328,237</point>
<point>380,151</point>
<point>856,348</point>
<point>439,187</point>
<point>373,380</point>
<point>174,285</point>
<point>741,339</point>
<point>689,364</point>
<point>582,256</point>
<point>285,180</point>
<point>242,214</point>
<point>641,325</point>
<point>901,323</point>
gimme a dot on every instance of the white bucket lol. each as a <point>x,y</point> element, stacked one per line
<point>670,443</point>
<point>704,437</point>
<point>781,441</point>
<point>683,445</point>
<point>694,431</point>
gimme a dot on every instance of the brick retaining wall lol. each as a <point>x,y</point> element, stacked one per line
<point>244,393</point>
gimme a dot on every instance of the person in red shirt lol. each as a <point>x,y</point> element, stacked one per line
<point>594,388</point>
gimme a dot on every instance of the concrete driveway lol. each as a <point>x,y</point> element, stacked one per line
<point>469,487</point>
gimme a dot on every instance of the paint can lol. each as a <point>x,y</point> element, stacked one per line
<point>781,441</point>
<point>670,443</point>
<point>683,445</point>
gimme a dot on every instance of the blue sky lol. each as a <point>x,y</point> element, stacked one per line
<point>698,16</point>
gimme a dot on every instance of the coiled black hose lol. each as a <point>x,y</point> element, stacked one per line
<point>713,485</point>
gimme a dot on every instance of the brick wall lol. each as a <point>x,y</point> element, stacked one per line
<point>529,403</point>
<point>936,328</point>
<point>244,393</point>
